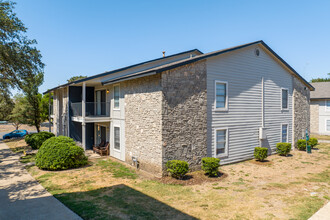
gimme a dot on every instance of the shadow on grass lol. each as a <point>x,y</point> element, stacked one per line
<point>118,202</point>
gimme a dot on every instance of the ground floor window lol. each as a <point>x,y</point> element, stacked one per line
<point>117,138</point>
<point>284,133</point>
<point>327,124</point>
<point>221,142</point>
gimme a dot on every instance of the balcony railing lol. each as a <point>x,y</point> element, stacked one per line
<point>96,109</point>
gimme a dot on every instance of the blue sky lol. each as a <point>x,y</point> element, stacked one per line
<point>80,37</point>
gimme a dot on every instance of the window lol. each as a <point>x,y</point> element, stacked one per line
<point>284,133</point>
<point>327,124</point>
<point>117,138</point>
<point>116,96</point>
<point>221,95</point>
<point>284,99</point>
<point>327,105</point>
<point>221,142</point>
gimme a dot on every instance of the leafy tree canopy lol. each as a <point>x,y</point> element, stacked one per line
<point>17,116</point>
<point>20,61</point>
<point>6,106</point>
<point>321,79</point>
<point>25,113</point>
<point>74,78</point>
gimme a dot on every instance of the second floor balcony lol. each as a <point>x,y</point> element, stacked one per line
<point>92,109</point>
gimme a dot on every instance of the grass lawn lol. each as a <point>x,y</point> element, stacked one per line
<point>293,187</point>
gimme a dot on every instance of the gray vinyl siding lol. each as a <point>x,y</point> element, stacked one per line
<point>244,71</point>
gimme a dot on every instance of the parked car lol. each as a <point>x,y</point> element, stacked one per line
<point>16,133</point>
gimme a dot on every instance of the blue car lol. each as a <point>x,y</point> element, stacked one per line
<point>16,133</point>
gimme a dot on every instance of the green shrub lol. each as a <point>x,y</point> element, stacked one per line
<point>35,140</point>
<point>301,144</point>
<point>28,139</point>
<point>177,168</point>
<point>210,165</point>
<point>60,153</point>
<point>283,149</point>
<point>312,142</point>
<point>260,153</point>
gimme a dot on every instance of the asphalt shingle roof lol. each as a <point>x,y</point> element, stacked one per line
<point>322,90</point>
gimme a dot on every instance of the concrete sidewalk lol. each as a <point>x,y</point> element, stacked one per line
<point>322,214</point>
<point>22,197</point>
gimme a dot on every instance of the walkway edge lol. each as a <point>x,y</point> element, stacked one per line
<point>322,214</point>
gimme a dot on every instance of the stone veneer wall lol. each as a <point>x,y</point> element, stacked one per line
<point>301,112</point>
<point>55,113</point>
<point>314,112</point>
<point>143,121</point>
<point>65,112</point>
<point>60,108</point>
<point>184,122</point>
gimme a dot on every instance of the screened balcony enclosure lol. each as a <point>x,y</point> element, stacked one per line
<point>98,109</point>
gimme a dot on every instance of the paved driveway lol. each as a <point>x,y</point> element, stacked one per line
<point>22,197</point>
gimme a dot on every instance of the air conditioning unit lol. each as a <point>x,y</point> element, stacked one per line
<point>262,133</point>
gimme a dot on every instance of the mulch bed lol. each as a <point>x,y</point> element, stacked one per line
<point>193,178</point>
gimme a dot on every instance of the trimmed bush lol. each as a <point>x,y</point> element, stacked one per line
<point>35,140</point>
<point>28,139</point>
<point>301,144</point>
<point>260,153</point>
<point>312,142</point>
<point>283,149</point>
<point>177,168</point>
<point>210,165</point>
<point>60,153</point>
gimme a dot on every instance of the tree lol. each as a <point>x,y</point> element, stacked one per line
<point>44,106</point>
<point>6,107</point>
<point>34,112</point>
<point>31,110</point>
<point>20,61</point>
<point>17,116</point>
<point>321,79</point>
<point>74,78</point>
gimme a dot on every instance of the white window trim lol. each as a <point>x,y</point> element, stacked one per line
<point>114,108</point>
<point>287,99</point>
<point>326,107</point>
<point>116,126</point>
<point>287,132</point>
<point>325,122</point>
<point>215,96</point>
<point>225,154</point>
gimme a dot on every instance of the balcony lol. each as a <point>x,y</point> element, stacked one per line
<point>95,111</point>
